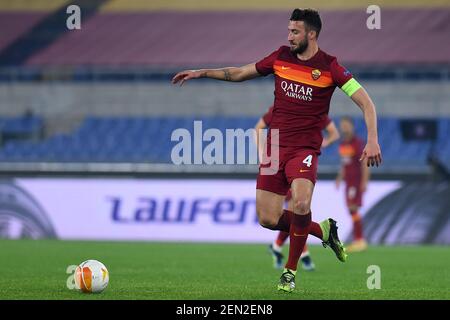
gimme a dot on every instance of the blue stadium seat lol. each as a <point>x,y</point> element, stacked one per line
<point>138,139</point>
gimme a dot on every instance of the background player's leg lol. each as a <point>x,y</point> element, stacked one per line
<point>281,238</point>
<point>305,258</point>
<point>359,243</point>
<point>302,190</point>
<point>276,250</point>
<point>357,223</point>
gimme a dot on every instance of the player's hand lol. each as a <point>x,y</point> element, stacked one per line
<point>372,153</point>
<point>186,75</point>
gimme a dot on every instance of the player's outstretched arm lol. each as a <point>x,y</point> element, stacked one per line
<point>234,74</point>
<point>372,151</point>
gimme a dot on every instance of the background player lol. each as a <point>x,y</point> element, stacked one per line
<point>276,247</point>
<point>305,79</point>
<point>356,175</point>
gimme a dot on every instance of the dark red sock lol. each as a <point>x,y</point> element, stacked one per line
<point>315,230</point>
<point>297,235</point>
<point>357,225</point>
<point>282,236</point>
<point>284,223</point>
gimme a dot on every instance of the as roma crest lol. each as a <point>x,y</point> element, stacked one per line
<point>315,74</point>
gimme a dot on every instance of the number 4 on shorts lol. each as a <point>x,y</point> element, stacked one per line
<point>308,161</point>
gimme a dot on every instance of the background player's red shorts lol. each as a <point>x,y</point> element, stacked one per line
<point>353,195</point>
<point>294,163</point>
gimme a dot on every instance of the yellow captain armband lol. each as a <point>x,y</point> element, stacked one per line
<point>350,87</point>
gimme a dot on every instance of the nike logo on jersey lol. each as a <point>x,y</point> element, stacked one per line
<point>285,68</point>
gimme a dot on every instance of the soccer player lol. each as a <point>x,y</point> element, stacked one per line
<point>305,79</point>
<point>276,247</point>
<point>356,174</point>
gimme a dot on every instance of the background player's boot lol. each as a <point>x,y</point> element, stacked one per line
<point>329,230</point>
<point>277,257</point>
<point>307,263</point>
<point>287,281</point>
<point>357,246</point>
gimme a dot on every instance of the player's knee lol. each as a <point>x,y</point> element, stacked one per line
<point>267,221</point>
<point>302,206</point>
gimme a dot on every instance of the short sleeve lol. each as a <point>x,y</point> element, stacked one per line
<point>265,65</point>
<point>267,117</point>
<point>339,74</point>
<point>344,79</point>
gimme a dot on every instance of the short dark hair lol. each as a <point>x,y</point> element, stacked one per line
<point>310,17</point>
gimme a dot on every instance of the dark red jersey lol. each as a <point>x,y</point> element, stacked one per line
<point>303,91</point>
<point>267,118</point>
<point>350,152</point>
<point>326,122</point>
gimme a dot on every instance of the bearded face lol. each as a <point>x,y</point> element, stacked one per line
<point>301,46</point>
<point>298,36</point>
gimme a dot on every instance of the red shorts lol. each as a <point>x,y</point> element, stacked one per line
<point>353,195</point>
<point>293,163</point>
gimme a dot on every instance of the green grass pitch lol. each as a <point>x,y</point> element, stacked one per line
<point>37,270</point>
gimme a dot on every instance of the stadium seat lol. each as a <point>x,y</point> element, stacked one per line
<point>129,139</point>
